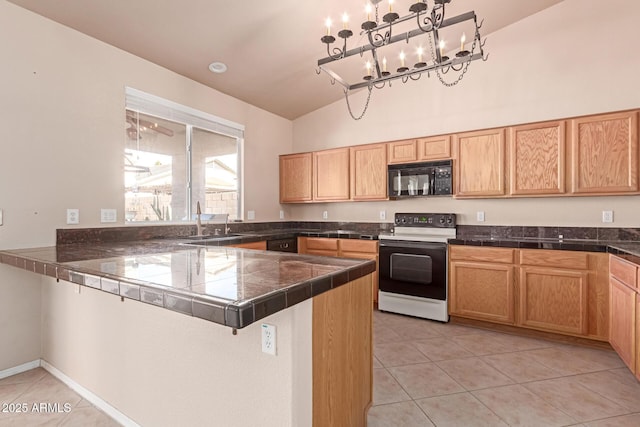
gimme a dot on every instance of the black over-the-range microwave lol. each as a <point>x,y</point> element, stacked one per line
<point>420,179</point>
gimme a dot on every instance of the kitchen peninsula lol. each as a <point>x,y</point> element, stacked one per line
<point>167,333</point>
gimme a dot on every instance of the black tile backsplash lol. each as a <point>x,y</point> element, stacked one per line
<point>527,232</point>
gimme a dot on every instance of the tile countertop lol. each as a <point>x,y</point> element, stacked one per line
<point>627,249</point>
<point>230,286</point>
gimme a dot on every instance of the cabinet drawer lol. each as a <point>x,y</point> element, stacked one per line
<point>554,258</point>
<point>625,271</point>
<point>322,243</point>
<point>355,245</point>
<point>475,253</point>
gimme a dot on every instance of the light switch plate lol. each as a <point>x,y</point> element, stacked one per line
<point>281,214</point>
<point>325,215</point>
<point>73,216</point>
<point>383,215</point>
<point>108,215</point>
<point>480,216</point>
<point>607,216</point>
<point>251,215</point>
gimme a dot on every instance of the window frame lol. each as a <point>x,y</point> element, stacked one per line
<point>152,105</point>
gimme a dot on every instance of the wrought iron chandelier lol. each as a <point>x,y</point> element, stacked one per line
<point>377,36</point>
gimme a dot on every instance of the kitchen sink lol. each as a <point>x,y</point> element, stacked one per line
<point>214,236</point>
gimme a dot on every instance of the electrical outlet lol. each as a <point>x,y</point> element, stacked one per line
<point>383,215</point>
<point>108,215</point>
<point>607,216</point>
<point>480,216</point>
<point>325,215</point>
<point>281,214</point>
<point>251,215</point>
<point>73,216</point>
<point>269,339</point>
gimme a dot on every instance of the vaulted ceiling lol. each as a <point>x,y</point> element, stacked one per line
<point>271,48</point>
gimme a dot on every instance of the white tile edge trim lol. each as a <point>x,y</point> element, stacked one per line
<point>89,396</point>
<point>20,369</point>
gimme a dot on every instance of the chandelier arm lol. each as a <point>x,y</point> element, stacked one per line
<point>366,105</point>
<point>338,53</point>
<point>427,21</point>
<point>437,17</point>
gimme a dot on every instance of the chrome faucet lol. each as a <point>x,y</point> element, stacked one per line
<point>199,227</point>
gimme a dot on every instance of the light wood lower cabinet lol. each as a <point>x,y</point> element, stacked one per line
<point>553,299</point>
<point>624,335</point>
<point>481,283</point>
<point>318,246</point>
<point>482,291</point>
<point>261,245</point>
<point>343,355</point>
<point>555,291</point>
<point>344,248</point>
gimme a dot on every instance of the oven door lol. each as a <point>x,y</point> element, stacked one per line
<point>414,268</point>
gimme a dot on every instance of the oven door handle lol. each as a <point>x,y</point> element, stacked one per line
<point>412,244</point>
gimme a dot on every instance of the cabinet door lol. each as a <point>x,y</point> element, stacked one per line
<point>480,159</point>
<point>331,174</point>
<point>482,291</point>
<point>537,161</point>
<point>622,325</point>
<point>402,151</point>
<point>368,172</point>
<point>318,246</point>
<point>554,300</point>
<point>295,178</point>
<point>637,337</point>
<point>604,153</point>
<point>434,148</point>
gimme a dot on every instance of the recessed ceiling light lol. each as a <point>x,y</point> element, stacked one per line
<point>218,67</point>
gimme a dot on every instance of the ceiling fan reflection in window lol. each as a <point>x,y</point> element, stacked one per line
<point>138,125</point>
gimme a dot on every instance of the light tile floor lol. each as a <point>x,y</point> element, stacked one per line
<point>33,390</point>
<point>431,374</point>
<point>439,374</point>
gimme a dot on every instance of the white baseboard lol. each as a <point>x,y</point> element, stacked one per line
<point>20,369</point>
<point>86,394</point>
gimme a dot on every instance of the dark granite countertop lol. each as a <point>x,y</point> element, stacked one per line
<point>229,286</point>
<point>630,248</point>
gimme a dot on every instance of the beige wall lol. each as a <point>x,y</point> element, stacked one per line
<point>569,60</point>
<point>162,368</point>
<point>62,109</point>
<point>20,319</point>
<point>62,106</point>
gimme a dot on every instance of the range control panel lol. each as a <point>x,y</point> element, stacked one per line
<point>434,220</point>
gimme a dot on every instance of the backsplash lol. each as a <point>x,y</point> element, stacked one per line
<point>148,232</point>
<point>582,233</point>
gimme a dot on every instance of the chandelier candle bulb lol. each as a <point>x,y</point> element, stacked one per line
<point>419,54</point>
<point>328,24</point>
<point>345,21</point>
<point>367,9</point>
<point>384,64</point>
<point>462,40</point>
<point>402,59</point>
<point>390,5</point>
<point>441,47</point>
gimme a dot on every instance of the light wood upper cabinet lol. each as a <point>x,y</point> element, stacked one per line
<point>480,163</point>
<point>368,172</point>
<point>331,174</point>
<point>537,159</point>
<point>296,178</point>
<point>604,153</point>
<point>434,148</point>
<point>419,150</point>
<point>402,151</point>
